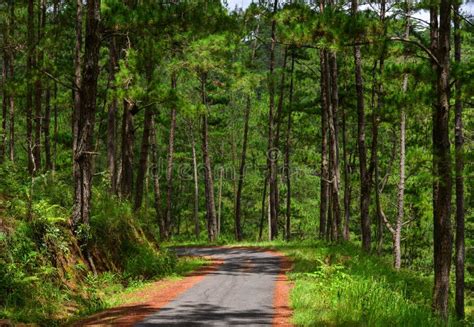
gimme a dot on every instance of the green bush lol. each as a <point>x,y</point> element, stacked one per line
<point>143,262</point>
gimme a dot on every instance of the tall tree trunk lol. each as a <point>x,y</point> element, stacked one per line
<point>335,176</point>
<point>459,144</point>
<point>46,130</point>
<point>11,58</point>
<point>401,184</point>
<point>156,180</point>
<point>262,215</point>
<point>12,116</point>
<point>77,97</point>
<point>112,120</point>
<point>55,133</point>
<point>169,168</point>
<point>271,151</point>
<point>219,202</point>
<point>287,154</point>
<point>375,132</point>
<point>126,180</point>
<point>88,94</point>
<point>197,230</point>
<point>29,94</point>
<point>143,164</point>
<point>324,185</point>
<point>347,180</point>
<point>440,38</point>
<point>5,69</point>
<point>208,179</point>
<point>364,174</point>
<point>238,198</point>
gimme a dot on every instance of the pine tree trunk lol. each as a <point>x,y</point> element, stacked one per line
<point>440,37</point>
<point>112,120</point>
<point>334,176</point>
<point>459,151</point>
<point>46,130</point>
<point>262,215</point>
<point>29,94</point>
<point>156,180</point>
<point>169,169</point>
<point>324,188</point>
<point>287,155</point>
<point>271,151</point>
<point>347,180</point>
<point>219,202</point>
<point>5,69</point>
<point>197,230</point>
<point>12,115</point>
<point>143,164</point>
<point>126,180</point>
<point>364,175</point>
<point>84,150</point>
<point>208,179</point>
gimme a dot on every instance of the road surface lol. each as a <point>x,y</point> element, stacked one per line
<point>239,293</point>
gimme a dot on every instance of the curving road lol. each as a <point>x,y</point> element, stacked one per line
<point>239,293</point>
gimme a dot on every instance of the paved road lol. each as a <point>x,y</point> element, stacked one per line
<point>238,293</point>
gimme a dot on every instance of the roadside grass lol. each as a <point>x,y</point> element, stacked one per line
<point>339,285</point>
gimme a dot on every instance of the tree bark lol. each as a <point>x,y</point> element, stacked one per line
<point>169,169</point>
<point>112,120</point>
<point>287,154</point>
<point>440,45</point>
<point>364,174</point>
<point>143,164</point>
<point>29,94</point>
<point>5,69</point>
<point>271,150</point>
<point>84,150</point>
<point>262,215</point>
<point>208,179</point>
<point>459,155</point>
<point>11,76</point>
<point>219,202</point>
<point>46,130</point>
<point>324,185</point>
<point>126,180</point>
<point>197,230</point>
<point>156,180</point>
<point>347,180</point>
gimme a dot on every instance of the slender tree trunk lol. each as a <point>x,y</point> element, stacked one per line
<point>126,180</point>
<point>197,230</point>
<point>55,136</point>
<point>440,37</point>
<point>208,179</point>
<point>143,165</point>
<point>262,215</point>
<point>12,115</point>
<point>240,185</point>
<point>271,151</point>
<point>169,169</point>
<point>459,144</point>
<point>46,130</point>
<point>29,94</point>
<point>219,202</point>
<point>112,120</point>
<point>401,184</point>
<point>335,176</point>
<point>287,155</point>
<point>324,185</point>
<point>84,143</point>
<point>5,69</point>
<point>11,58</point>
<point>347,180</point>
<point>156,180</point>
<point>364,174</point>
